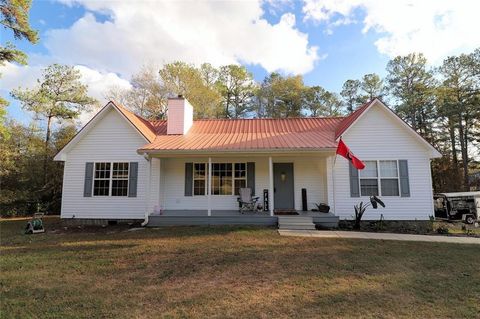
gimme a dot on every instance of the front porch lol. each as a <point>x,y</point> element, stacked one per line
<point>231,217</point>
<point>202,190</point>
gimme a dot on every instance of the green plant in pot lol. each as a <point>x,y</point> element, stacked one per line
<point>361,208</point>
<point>322,208</point>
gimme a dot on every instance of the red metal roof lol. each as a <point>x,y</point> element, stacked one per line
<point>246,134</point>
<point>249,134</point>
<point>142,125</point>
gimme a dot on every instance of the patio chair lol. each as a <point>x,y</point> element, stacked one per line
<point>246,201</point>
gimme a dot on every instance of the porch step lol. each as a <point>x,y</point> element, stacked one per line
<point>296,222</point>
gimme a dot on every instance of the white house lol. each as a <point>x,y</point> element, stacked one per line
<point>184,171</point>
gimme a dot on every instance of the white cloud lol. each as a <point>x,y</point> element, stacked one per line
<point>436,28</point>
<point>219,32</point>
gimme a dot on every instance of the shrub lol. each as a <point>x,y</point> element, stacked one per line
<point>443,229</point>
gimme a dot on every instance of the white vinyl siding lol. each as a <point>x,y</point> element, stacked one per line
<point>378,136</point>
<point>112,139</point>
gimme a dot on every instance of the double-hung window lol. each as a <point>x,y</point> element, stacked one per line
<point>240,177</point>
<point>389,183</point>
<point>119,179</point>
<point>110,179</point>
<point>222,179</point>
<point>101,182</point>
<point>199,178</point>
<point>380,178</point>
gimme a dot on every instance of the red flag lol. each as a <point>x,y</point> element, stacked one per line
<point>344,151</point>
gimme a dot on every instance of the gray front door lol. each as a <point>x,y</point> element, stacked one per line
<point>283,186</point>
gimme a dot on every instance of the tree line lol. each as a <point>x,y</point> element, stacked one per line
<point>441,103</point>
<point>230,91</point>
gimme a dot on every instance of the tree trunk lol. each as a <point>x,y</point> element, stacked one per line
<point>464,151</point>
<point>451,131</point>
<point>45,156</point>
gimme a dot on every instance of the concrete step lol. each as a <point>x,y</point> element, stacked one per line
<point>304,220</point>
<point>297,227</point>
<point>296,222</point>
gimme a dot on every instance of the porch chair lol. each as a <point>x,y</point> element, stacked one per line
<point>246,202</point>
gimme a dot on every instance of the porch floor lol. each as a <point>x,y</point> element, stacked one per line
<point>231,217</point>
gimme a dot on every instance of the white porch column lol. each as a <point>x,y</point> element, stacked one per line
<point>153,187</point>
<point>330,169</point>
<point>160,187</point>
<point>148,188</point>
<point>270,189</point>
<point>209,186</point>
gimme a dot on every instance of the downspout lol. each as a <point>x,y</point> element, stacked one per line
<point>145,222</point>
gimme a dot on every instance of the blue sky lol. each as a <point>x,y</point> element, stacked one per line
<point>327,42</point>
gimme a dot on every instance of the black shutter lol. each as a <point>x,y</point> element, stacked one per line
<point>188,179</point>
<point>251,176</point>
<point>88,181</point>
<point>133,179</point>
<point>404,179</point>
<point>354,185</point>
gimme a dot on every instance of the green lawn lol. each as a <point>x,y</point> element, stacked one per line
<point>224,272</point>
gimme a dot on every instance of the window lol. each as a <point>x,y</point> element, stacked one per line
<point>120,179</point>
<point>110,179</point>
<point>380,178</point>
<point>199,179</point>
<point>240,177</point>
<point>227,178</point>
<point>101,183</point>
<point>369,179</point>
<point>389,178</point>
<point>222,179</point>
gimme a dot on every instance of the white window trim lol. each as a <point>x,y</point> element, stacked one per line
<point>239,178</point>
<point>205,179</point>
<point>207,175</point>
<point>110,179</point>
<point>379,178</point>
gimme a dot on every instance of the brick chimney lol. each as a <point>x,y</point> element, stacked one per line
<point>179,116</point>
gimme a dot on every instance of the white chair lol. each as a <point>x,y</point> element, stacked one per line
<point>246,201</point>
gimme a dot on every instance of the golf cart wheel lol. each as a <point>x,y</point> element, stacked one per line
<point>469,219</point>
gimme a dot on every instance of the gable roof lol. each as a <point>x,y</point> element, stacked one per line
<point>353,118</point>
<point>349,120</point>
<point>144,127</point>
<point>249,134</point>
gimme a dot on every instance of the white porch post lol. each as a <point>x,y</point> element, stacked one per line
<point>330,169</point>
<point>270,190</point>
<point>209,186</point>
<point>160,190</point>
<point>148,190</point>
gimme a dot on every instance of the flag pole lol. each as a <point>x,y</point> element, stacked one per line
<point>333,186</point>
<point>335,158</point>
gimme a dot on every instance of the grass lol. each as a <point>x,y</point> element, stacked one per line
<point>223,272</point>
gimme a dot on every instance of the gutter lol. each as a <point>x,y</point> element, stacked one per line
<point>233,151</point>
<point>145,221</point>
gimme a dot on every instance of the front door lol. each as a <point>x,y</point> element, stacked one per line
<point>283,186</point>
